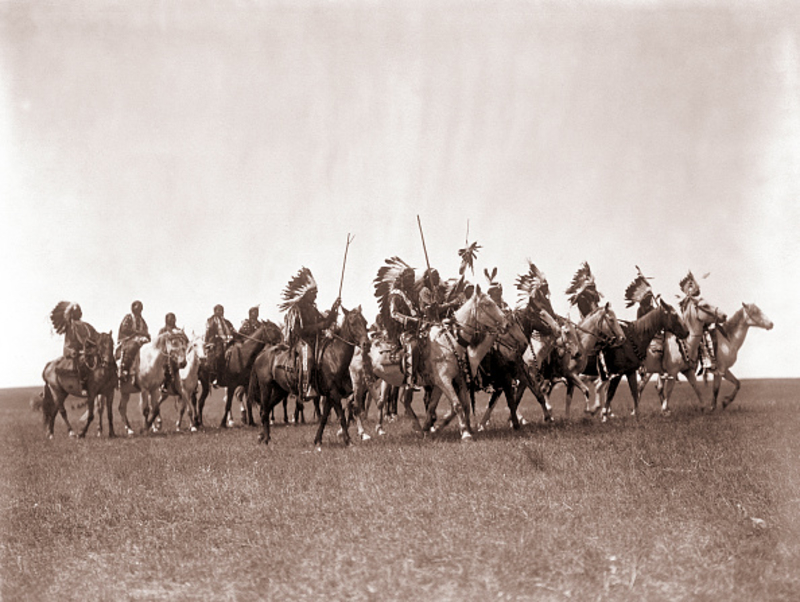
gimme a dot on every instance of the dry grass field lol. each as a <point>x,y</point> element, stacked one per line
<point>692,506</point>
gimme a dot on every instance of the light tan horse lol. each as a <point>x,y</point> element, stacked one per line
<point>728,345</point>
<point>167,351</point>
<point>453,348</point>
<point>672,359</point>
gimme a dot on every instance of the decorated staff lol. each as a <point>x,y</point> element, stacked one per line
<point>303,323</point>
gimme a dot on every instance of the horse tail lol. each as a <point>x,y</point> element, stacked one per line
<point>254,387</point>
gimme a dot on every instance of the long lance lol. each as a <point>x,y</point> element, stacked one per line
<point>344,262</point>
<point>425,250</point>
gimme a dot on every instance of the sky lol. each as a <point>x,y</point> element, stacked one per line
<point>193,153</point>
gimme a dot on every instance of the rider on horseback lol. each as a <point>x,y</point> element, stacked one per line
<point>639,291</point>
<point>66,319</point>
<point>304,323</point>
<point>432,297</point>
<point>219,332</point>
<point>133,333</point>
<point>583,291</point>
<point>170,328</point>
<point>252,323</point>
<point>691,291</point>
<point>404,308</point>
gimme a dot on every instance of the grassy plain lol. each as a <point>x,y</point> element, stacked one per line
<point>687,507</point>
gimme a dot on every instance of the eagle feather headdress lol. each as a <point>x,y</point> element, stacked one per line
<point>301,285</point>
<point>60,316</point>
<point>533,286</point>
<point>638,290</point>
<point>687,282</point>
<point>583,290</point>
<point>384,283</point>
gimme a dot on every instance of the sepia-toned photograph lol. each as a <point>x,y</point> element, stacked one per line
<point>409,300</point>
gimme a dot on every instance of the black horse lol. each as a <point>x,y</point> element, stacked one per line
<point>235,362</point>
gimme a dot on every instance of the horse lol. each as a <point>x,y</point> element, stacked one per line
<point>729,340</point>
<point>625,359</point>
<point>166,353</point>
<point>515,357</point>
<point>99,372</point>
<point>455,348</point>
<point>274,374</point>
<point>597,330</point>
<point>675,356</point>
<point>238,362</point>
<point>188,376</point>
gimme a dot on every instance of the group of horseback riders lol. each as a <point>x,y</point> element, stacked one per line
<point>409,306</point>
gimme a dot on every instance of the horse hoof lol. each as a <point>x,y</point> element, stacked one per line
<point>365,437</point>
<point>524,422</point>
<point>193,429</point>
<point>318,448</point>
<point>481,428</point>
<point>50,436</point>
<point>72,434</point>
<point>467,436</point>
<point>380,431</point>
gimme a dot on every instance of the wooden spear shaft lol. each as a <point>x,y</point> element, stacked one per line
<point>344,262</point>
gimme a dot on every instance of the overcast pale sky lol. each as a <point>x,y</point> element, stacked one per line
<point>194,153</point>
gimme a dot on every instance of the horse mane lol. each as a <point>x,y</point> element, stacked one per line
<point>647,325</point>
<point>735,320</point>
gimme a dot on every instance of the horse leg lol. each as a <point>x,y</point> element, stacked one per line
<point>607,389</point>
<point>492,401</point>
<point>692,380</point>
<point>406,394</point>
<point>323,419</point>
<point>155,412</point>
<point>736,386</point>
<point>123,410</point>
<point>646,376</point>
<point>430,411</point>
<point>633,385</point>
<point>270,397</point>
<point>108,400</point>
<point>341,415</point>
<point>90,400</point>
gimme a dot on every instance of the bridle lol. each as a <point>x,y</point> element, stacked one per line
<point>602,338</point>
<point>478,329</point>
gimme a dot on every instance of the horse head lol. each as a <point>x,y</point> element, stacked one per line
<point>481,315</point>
<point>269,333</point>
<point>173,345</point>
<point>756,317</point>
<point>603,323</point>
<point>568,341</point>
<point>105,349</point>
<point>672,320</point>
<point>354,328</point>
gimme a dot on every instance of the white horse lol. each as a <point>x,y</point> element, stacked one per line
<point>728,345</point>
<point>166,352</point>
<point>676,356</point>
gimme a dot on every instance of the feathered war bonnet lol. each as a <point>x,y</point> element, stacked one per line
<point>583,290</point>
<point>62,313</point>
<point>689,284</point>
<point>385,281</point>
<point>299,288</point>
<point>638,290</point>
<point>533,288</point>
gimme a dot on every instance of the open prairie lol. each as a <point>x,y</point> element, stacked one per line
<point>693,506</point>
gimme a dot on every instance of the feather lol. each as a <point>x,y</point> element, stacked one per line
<point>533,286</point>
<point>384,283</point>
<point>468,255</point>
<point>59,317</point>
<point>583,290</point>
<point>688,282</point>
<point>638,290</point>
<point>302,284</point>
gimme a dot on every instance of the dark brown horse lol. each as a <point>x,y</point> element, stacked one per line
<point>512,360</point>
<point>237,364</point>
<point>97,370</point>
<point>625,359</point>
<point>274,374</point>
